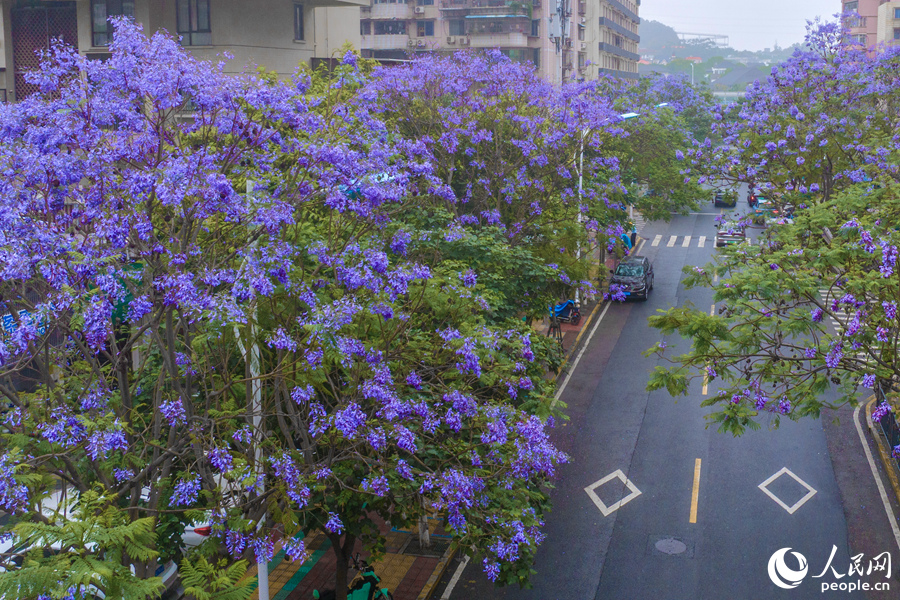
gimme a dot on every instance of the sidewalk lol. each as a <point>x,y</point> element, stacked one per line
<point>408,572</point>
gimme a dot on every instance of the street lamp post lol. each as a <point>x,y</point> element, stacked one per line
<point>692,73</point>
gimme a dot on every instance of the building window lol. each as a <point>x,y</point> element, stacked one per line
<point>390,27</point>
<point>859,39</point>
<point>425,2</point>
<point>897,33</point>
<point>851,6</point>
<point>536,57</point>
<point>365,27</point>
<point>299,24</point>
<point>192,22</point>
<point>535,27</point>
<point>425,29</point>
<point>458,27</point>
<point>581,29</point>
<point>101,11</point>
<point>897,13</point>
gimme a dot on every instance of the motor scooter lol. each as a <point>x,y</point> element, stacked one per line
<point>567,312</point>
<point>364,587</point>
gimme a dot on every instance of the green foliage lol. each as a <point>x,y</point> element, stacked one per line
<point>84,547</point>
<point>216,579</point>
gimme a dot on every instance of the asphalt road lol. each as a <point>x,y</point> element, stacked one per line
<point>660,543</point>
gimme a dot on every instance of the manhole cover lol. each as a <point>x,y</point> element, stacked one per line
<point>671,546</point>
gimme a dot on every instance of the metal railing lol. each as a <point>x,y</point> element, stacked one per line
<point>889,426</point>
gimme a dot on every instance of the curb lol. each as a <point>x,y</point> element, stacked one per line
<point>889,467</point>
<point>437,574</point>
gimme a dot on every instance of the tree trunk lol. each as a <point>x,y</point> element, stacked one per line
<point>342,553</point>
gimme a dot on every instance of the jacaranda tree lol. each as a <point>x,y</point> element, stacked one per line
<point>215,309</point>
<point>813,307</point>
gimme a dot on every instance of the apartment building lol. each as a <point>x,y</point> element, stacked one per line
<point>277,34</point>
<point>863,29</point>
<point>888,30</point>
<point>602,35</point>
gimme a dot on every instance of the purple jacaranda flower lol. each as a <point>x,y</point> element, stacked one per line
<point>264,548</point>
<point>235,542</point>
<point>868,381</point>
<point>220,458</point>
<point>349,420</point>
<point>403,469</point>
<point>880,411</point>
<point>295,550</point>
<point>377,485</point>
<point>334,524</point>
<point>303,394</point>
<point>414,380</point>
<point>810,352</point>
<point>816,315</point>
<point>13,495</point>
<point>469,278</point>
<point>186,491</point>
<point>173,411</point>
<point>890,310</point>
<point>121,475</point>
<point>834,356</point>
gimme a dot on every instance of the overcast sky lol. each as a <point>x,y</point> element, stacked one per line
<point>749,25</point>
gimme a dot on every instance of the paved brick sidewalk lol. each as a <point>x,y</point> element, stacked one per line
<point>406,572</point>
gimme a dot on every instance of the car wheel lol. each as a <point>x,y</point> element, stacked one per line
<point>651,283</point>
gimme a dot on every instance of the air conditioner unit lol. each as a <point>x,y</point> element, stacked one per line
<point>411,43</point>
<point>420,43</point>
<point>463,41</point>
<point>584,45</point>
<point>420,10</point>
<point>451,39</point>
<point>583,20</point>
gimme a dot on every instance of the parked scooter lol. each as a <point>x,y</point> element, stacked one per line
<point>364,587</point>
<point>567,312</point>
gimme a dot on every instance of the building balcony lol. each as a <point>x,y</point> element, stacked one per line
<point>511,39</point>
<point>391,11</point>
<point>620,74</point>
<point>624,10</point>
<point>384,42</point>
<point>615,50</point>
<point>609,24</point>
<point>338,3</point>
<point>455,5</point>
<point>502,10</point>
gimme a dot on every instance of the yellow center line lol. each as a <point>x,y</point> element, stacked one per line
<point>695,494</point>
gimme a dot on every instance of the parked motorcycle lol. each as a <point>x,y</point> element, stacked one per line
<point>364,587</point>
<point>567,312</point>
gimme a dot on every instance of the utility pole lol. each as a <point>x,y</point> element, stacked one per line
<point>559,32</point>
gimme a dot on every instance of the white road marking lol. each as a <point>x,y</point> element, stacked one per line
<point>587,343</point>
<point>671,241</point>
<point>656,240</point>
<point>790,509</point>
<point>455,579</point>
<point>686,242</point>
<point>884,499</point>
<point>701,241</point>
<point>608,510</point>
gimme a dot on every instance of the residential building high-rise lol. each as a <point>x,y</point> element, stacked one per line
<point>888,30</point>
<point>276,34</point>
<point>602,35</point>
<point>864,28</point>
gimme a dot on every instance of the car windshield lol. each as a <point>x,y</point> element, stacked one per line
<point>630,270</point>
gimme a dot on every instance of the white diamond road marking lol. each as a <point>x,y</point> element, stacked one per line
<point>672,239</point>
<point>686,242</point>
<point>701,241</point>
<point>656,240</point>
<point>799,503</point>
<point>608,510</point>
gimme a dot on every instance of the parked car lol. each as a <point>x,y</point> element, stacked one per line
<point>635,275</point>
<point>724,198</point>
<point>730,232</point>
<point>767,211</point>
